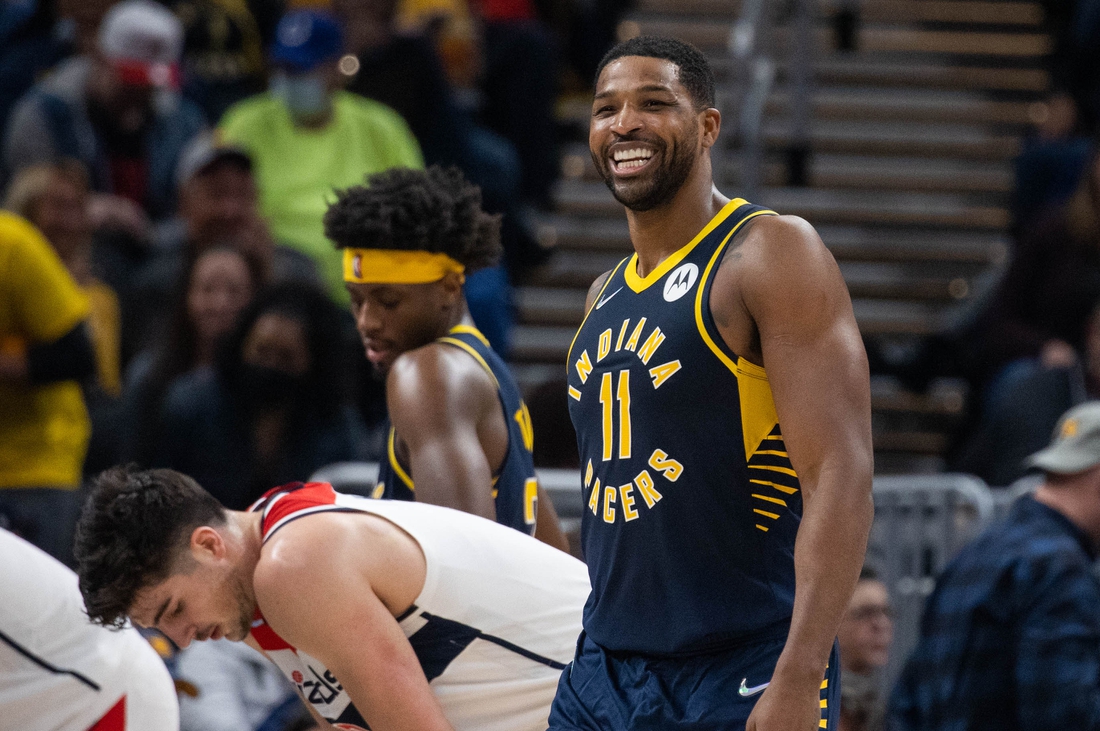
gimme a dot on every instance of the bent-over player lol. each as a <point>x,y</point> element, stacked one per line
<point>460,434</point>
<point>722,548</point>
<point>396,614</point>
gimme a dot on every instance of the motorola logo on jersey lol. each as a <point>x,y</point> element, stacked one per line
<point>680,281</point>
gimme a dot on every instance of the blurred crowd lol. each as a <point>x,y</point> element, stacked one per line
<point>168,295</point>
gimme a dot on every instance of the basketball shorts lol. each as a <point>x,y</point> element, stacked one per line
<point>610,691</point>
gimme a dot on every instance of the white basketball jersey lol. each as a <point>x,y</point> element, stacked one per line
<point>495,624</point>
<point>60,672</point>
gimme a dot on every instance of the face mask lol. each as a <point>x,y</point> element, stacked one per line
<point>265,386</point>
<point>303,95</point>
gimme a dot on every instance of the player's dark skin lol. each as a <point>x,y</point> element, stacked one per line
<point>443,405</point>
<point>779,301</point>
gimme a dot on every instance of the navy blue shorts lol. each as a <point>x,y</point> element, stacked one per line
<point>605,691</point>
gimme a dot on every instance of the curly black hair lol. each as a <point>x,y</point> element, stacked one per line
<point>131,533</point>
<point>434,210</point>
<point>695,72</point>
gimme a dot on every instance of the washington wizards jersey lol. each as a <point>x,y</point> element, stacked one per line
<point>691,501</point>
<point>515,487</point>
<point>494,625</point>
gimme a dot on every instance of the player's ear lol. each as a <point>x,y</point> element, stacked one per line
<point>452,287</point>
<point>207,542</point>
<point>711,120</point>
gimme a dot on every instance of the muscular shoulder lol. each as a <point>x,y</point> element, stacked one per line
<point>302,554</point>
<point>437,379</point>
<point>782,241</point>
<point>778,254</point>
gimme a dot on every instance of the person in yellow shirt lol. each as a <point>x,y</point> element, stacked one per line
<point>44,352</point>
<point>54,197</point>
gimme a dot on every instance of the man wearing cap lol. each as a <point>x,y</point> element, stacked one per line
<point>1010,638</point>
<point>114,110</point>
<point>306,137</point>
<point>218,205</point>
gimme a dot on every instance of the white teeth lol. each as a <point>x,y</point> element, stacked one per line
<point>635,154</point>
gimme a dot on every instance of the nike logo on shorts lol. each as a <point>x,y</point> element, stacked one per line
<point>744,691</point>
<point>603,302</point>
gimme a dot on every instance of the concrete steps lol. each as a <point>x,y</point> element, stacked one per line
<point>911,135</point>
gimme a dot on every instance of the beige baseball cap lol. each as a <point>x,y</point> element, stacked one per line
<point>1076,443</point>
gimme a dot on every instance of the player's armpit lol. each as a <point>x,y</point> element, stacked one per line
<point>437,396</point>
<point>594,290</point>
<point>319,589</point>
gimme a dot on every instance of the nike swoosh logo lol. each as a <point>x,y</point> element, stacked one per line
<point>603,302</point>
<point>744,691</point>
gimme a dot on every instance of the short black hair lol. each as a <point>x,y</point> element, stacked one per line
<point>434,210</point>
<point>695,72</point>
<point>130,534</point>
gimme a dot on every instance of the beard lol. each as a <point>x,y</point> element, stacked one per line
<point>661,184</point>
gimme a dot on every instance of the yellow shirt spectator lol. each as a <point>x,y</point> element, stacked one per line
<point>44,429</point>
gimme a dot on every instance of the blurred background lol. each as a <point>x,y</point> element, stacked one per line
<point>188,312</point>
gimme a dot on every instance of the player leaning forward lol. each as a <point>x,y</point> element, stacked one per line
<point>722,548</point>
<point>401,615</point>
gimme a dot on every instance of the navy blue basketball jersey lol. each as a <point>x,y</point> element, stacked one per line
<point>515,487</point>
<point>691,501</point>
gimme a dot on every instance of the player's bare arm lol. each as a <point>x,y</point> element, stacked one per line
<point>447,412</point>
<point>779,299</point>
<point>321,592</point>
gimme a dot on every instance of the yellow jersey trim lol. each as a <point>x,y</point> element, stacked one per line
<point>471,330</point>
<point>599,294</point>
<point>397,468</point>
<point>638,283</point>
<point>476,356</point>
<point>742,365</point>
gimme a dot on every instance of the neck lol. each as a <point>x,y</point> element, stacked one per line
<point>660,232</point>
<point>1076,501</point>
<point>245,531</point>
<point>461,316</point>
<point>316,121</point>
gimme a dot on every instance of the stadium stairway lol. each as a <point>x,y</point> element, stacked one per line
<point>912,134</point>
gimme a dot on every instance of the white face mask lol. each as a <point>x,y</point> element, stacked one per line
<point>304,95</point>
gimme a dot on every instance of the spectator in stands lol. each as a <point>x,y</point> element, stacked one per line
<point>1009,636</point>
<point>499,53</point>
<point>111,111</point>
<point>866,633</point>
<point>54,197</point>
<point>218,206</point>
<point>307,136</point>
<point>44,353</point>
<point>1030,400</point>
<point>223,50</point>
<point>1045,297</point>
<point>28,48</point>
<point>214,288</point>
<point>273,410</point>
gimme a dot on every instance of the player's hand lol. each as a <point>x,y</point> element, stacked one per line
<point>786,708</point>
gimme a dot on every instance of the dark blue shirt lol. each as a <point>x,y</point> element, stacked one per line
<point>1010,638</point>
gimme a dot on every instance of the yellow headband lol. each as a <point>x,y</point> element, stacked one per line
<point>395,266</point>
